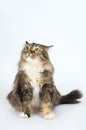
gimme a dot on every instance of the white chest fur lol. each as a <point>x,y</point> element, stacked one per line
<point>33,70</point>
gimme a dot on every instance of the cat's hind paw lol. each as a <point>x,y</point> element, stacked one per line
<point>50,116</point>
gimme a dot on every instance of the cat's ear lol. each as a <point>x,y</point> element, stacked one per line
<point>27,42</point>
<point>47,47</point>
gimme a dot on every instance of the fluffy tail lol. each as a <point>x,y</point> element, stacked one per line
<point>71,98</point>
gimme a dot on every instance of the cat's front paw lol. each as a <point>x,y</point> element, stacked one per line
<point>23,115</point>
<point>50,116</point>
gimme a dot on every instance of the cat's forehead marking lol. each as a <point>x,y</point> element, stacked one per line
<point>33,45</point>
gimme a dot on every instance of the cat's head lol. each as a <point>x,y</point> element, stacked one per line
<point>35,51</point>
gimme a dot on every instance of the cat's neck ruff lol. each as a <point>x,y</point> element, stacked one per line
<point>33,69</point>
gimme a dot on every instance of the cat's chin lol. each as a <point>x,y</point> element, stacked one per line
<point>31,59</point>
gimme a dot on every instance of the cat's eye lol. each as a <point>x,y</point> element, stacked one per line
<point>36,50</point>
<point>26,49</point>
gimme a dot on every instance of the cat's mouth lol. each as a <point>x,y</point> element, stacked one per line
<point>30,54</point>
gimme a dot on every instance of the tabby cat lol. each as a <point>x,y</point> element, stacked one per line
<point>34,88</point>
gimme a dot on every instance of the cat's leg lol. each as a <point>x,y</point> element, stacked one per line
<point>47,112</point>
<point>26,94</point>
<point>46,96</point>
<point>14,100</point>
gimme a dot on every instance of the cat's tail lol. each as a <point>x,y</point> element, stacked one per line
<point>71,98</point>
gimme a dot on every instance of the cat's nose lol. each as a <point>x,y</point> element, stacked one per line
<point>30,53</point>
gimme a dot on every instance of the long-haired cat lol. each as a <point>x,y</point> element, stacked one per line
<point>34,88</point>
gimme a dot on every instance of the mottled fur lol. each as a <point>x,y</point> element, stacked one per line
<point>34,88</point>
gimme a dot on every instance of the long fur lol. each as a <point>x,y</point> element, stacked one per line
<point>14,100</point>
<point>71,98</point>
<point>34,86</point>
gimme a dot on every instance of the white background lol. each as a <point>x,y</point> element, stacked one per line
<point>58,22</point>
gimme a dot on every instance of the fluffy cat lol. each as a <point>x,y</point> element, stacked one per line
<point>34,88</point>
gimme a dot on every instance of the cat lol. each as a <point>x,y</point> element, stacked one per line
<point>34,88</point>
